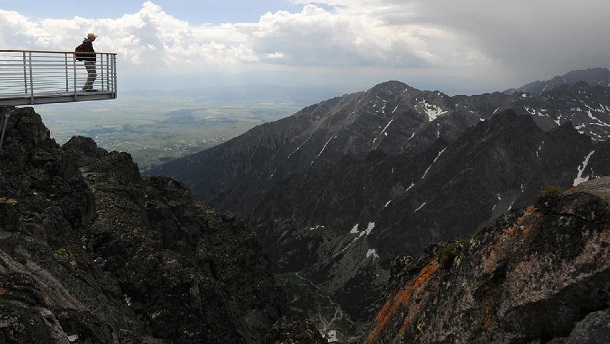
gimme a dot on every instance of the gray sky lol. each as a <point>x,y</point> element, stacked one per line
<point>455,46</point>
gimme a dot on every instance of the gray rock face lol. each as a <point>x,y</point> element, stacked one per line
<point>536,275</point>
<point>593,329</point>
<point>91,252</point>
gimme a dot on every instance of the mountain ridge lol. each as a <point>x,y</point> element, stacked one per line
<point>291,135</point>
<point>339,188</point>
<point>592,76</point>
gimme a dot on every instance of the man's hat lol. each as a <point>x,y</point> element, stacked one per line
<point>91,35</point>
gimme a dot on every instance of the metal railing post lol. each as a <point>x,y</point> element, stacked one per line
<point>110,73</point>
<point>74,71</point>
<point>66,68</point>
<point>102,70</point>
<point>31,80</point>
<point>114,75</point>
<point>25,73</point>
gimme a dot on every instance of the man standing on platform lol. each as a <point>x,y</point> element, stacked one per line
<point>89,58</point>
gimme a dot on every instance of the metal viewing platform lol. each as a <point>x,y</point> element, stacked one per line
<point>29,77</point>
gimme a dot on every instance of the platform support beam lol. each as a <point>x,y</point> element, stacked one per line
<point>5,117</point>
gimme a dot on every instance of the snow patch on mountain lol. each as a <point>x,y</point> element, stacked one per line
<point>321,151</point>
<point>354,230</point>
<point>419,208</point>
<point>537,112</point>
<point>539,149</point>
<point>581,168</point>
<point>597,120</point>
<point>428,169</point>
<point>316,227</point>
<point>367,231</point>
<point>433,111</point>
<point>372,252</point>
<point>495,205</point>
<point>383,130</point>
<point>410,187</point>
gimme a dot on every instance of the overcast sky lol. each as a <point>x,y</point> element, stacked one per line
<point>455,46</point>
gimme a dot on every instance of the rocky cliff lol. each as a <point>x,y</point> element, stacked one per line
<point>91,252</point>
<point>540,274</point>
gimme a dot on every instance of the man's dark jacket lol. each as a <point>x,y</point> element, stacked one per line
<point>88,48</point>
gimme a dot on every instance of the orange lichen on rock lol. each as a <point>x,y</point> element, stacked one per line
<point>420,282</point>
<point>388,310</point>
<point>529,211</point>
<point>488,307</point>
<point>425,274</point>
<point>524,221</point>
<point>402,298</point>
<point>509,239</point>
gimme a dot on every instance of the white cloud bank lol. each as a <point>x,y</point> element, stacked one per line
<point>494,44</point>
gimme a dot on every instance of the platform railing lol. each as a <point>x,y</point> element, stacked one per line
<point>30,74</point>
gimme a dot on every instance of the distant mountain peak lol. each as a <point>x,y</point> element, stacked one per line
<point>591,76</point>
<point>389,84</point>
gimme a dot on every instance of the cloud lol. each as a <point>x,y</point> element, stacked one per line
<point>22,31</point>
<point>314,37</point>
<point>496,43</point>
<point>317,37</point>
<point>530,36</point>
<point>518,39</point>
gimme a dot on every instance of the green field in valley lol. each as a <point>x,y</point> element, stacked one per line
<point>154,129</point>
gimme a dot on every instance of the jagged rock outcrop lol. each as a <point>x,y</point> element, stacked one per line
<point>535,275</point>
<point>91,252</point>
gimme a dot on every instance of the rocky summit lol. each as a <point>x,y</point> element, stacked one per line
<point>91,252</point>
<point>540,274</point>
